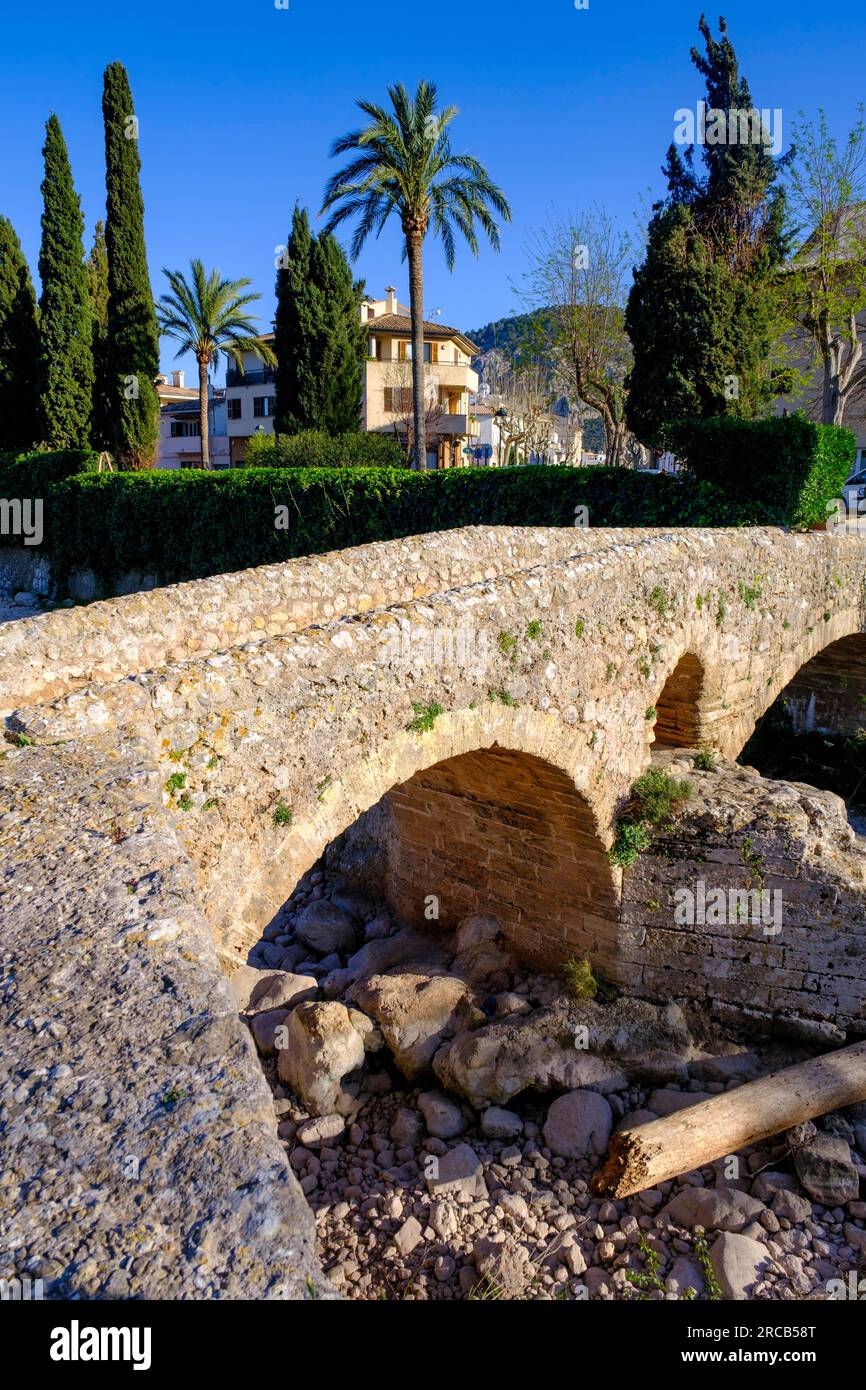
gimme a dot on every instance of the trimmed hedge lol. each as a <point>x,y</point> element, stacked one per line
<point>35,476</point>
<point>188,524</point>
<point>789,464</point>
<point>315,449</point>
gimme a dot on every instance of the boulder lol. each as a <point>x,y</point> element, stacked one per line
<point>281,990</point>
<point>406,948</point>
<point>739,1263</point>
<point>322,1129</point>
<point>790,1206</point>
<point>406,1128</point>
<point>667,1102</point>
<point>565,1046</point>
<point>325,928</point>
<point>481,953</point>
<point>443,1118</point>
<point>739,1066</point>
<point>497,1123</point>
<point>578,1125</point>
<point>264,1029</point>
<point>715,1208</point>
<point>243,981</point>
<point>825,1170</point>
<point>458,1173</point>
<point>685,1274</point>
<point>322,1049</point>
<point>416,1013</point>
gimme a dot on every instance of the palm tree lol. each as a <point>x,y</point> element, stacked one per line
<point>403,164</point>
<point>205,315</point>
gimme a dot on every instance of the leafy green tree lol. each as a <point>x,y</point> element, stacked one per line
<point>131,357</point>
<point>704,314</point>
<point>19,346</point>
<point>205,315</point>
<point>97,276</point>
<point>65,337</point>
<point>294,332</point>
<point>341,344</point>
<point>402,165</point>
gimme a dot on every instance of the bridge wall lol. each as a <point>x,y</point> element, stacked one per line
<point>566,662</point>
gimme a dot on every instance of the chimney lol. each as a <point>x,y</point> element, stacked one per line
<point>177,378</point>
<point>391,301</point>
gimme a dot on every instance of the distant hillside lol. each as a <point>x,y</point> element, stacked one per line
<point>508,334</point>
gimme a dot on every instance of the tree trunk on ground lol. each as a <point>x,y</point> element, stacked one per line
<point>653,1153</point>
<point>416,301</point>
<point>202,415</point>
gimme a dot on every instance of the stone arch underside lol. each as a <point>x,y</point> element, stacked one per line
<point>678,707</point>
<point>828,693</point>
<point>504,832</point>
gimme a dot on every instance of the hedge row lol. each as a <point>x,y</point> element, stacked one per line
<point>315,449</point>
<point>184,525</point>
<point>794,465</point>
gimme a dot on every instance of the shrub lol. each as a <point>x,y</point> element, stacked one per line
<point>783,470</point>
<point>188,523</point>
<point>315,449</point>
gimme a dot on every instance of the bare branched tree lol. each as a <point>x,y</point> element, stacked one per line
<point>579,272</point>
<point>825,282</point>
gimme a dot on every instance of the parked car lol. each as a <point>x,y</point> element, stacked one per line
<point>854,493</point>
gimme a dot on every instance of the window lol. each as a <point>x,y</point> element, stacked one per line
<point>404,352</point>
<point>264,406</point>
<point>397,398</point>
<point>235,408</point>
<point>184,429</point>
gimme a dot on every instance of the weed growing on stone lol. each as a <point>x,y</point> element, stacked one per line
<point>705,759</point>
<point>283,814</point>
<point>752,860</point>
<point>322,787</point>
<point>658,600</point>
<point>651,714</point>
<point>750,593</point>
<point>424,717</point>
<point>185,802</point>
<point>533,630</point>
<point>171,1097</point>
<point>579,978</point>
<point>721,610</point>
<point>22,741</point>
<point>579,627</point>
<point>175,783</point>
<point>501,695</point>
<point>632,838</point>
<point>508,646</point>
<point>655,797</point>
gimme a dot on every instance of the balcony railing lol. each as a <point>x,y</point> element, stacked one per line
<point>259,376</point>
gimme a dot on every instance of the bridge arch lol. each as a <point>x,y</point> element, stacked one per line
<point>477,765</point>
<point>678,707</point>
<point>505,832</point>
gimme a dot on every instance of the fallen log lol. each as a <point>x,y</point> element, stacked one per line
<point>652,1153</point>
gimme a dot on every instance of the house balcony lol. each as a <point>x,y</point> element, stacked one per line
<point>455,425</point>
<point>256,376</point>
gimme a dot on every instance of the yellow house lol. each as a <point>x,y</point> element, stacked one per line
<point>450,381</point>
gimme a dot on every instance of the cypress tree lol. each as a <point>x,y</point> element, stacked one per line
<point>319,339</point>
<point>340,341</point>
<point>131,359</point>
<point>294,331</point>
<point>703,314</point>
<point>65,348</point>
<point>97,275</point>
<point>19,346</point>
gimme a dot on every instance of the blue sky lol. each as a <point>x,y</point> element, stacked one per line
<point>238,105</point>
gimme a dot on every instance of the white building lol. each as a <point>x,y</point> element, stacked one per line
<point>179,429</point>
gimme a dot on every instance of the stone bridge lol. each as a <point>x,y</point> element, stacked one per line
<point>186,755</point>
